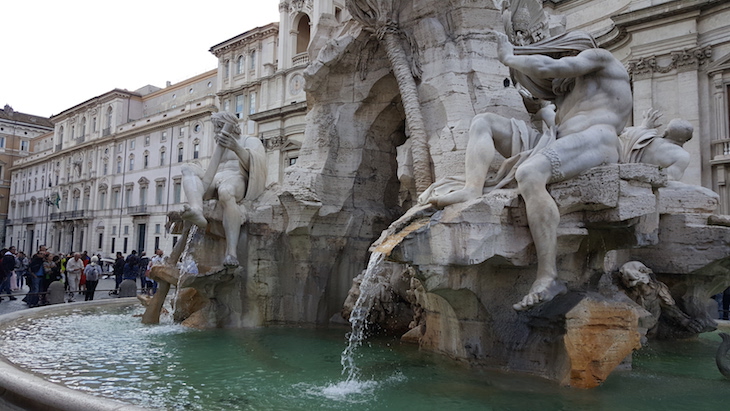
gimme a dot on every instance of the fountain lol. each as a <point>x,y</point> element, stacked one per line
<point>444,275</point>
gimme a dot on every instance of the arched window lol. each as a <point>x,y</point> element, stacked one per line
<point>60,133</point>
<point>226,68</point>
<point>119,164</point>
<point>239,65</point>
<point>252,61</point>
<point>83,127</point>
<point>180,152</point>
<point>131,162</point>
<point>303,34</point>
<point>162,156</point>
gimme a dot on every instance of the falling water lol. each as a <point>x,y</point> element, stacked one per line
<point>359,315</point>
<point>369,289</point>
<point>187,264</point>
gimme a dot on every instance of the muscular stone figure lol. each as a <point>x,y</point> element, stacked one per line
<point>592,94</point>
<point>236,172</point>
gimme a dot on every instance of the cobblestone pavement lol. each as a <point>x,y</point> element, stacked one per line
<point>8,306</point>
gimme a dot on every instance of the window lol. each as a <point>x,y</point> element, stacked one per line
<point>180,152</point>
<point>115,200</point>
<point>159,193</point>
<point>239,106</point>
<point>119,165</point>
<point>146,160</point>
<point>163,137</point>
<point>146,140</point>
<point>252,61</point>
<point>75,204</point>
<point>182,131</point>
<point>114,230</point>
<point>102,200</point>
<point>176,192</point>
<point>226,105</point>
<point>73,131</point>
<point>93,125</point>
<point>101,240</point>
<point>239,65</point>
<point>126,230</point>
<point>83,127</point>
<point>131,162</point>
<point>120,148</point>
<point>226,68</point>
<point>132,144</point>
<point>292,161</point>
<point>87,201</point>
<point>109,117</point>
<point>196,150</point>
<point>143,195</point>
<point>157,230</point>
<point>196,129</point>
<point>60,133</point>
<point>2,142</point>
<point>128,197</point>
<point>105,167</point>
<point>162,156</point>
<point>252,103</point>
<point>24,145</point>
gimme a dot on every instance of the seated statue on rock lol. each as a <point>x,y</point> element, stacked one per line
<point>652,295</point>
<point>591,94</point>
<point>236,172</point>
<point>644,144</point>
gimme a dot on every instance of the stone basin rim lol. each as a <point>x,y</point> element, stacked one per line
<point>20,390</point>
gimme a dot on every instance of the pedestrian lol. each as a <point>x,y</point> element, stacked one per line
<point>118,271</point>
<point>74,268</point>
<point>131,267</point>
<point>8,266</point>
<point>158,259</point>
<point>21,269</point>
<point>35,275</point>
<point>49,266</point>
<point>93,272</point>
<point>144,263</point>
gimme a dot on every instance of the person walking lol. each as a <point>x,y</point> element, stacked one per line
<point>93,272</point>
<point>74,268</point>
<point>118,271</point>
<point>8,265</point>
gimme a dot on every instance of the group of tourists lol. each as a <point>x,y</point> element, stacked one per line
<point>77,271</point>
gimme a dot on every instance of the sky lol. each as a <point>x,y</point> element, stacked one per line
<point>56,54</point>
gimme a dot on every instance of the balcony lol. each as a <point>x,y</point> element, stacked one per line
<point>138,210</point>
<point>301,58</point>
<point>71,215</point>
<point>27,220</point>
<point>721,151</point>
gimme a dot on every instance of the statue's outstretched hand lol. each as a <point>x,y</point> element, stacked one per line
<point>504,47</point>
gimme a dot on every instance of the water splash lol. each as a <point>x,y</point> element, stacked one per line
<point>359,316</point>
<point>186,264</point>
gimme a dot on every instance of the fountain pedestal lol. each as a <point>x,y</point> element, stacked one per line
<point>474,260</point>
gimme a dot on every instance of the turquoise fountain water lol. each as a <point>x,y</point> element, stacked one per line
<point>107,352</point>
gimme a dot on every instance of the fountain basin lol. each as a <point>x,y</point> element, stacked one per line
<point>168,366</point>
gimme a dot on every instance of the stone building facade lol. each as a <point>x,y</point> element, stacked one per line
<point>17,133</point>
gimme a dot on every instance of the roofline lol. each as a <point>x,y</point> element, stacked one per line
<point>242,36</point>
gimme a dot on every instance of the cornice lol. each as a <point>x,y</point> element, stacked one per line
<point>279,111</point>
<point>246,38</point>
<point>683,60</point>
<point>652,15</point>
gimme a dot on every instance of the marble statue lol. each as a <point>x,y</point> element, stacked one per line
<point>644,144</point>
<point>654,297</point>
<point>236,172</point>
<point>591,92</point>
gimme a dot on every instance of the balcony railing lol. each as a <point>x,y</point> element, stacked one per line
<point>301,58</point>
<point>71,215</point>
<point>137,210</point>
<point>721,148</point>
<point>27,220</point>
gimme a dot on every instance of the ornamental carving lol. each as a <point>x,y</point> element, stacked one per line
<point>684,60</point>
<point>274,142</point>
<point>296,6</point>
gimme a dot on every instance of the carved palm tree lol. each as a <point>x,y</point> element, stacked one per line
<point>381,18</point>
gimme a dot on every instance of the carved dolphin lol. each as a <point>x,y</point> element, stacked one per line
<point>721,358</point>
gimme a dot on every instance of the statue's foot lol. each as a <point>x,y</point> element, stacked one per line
<point>194,215</point>
<point>542,291</point>
<point>459,196</point>
<point>230,260</point>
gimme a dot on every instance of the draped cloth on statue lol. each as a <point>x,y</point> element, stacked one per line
<point>526,142</point>
<point>633,140</point>
<point>257,167</point>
